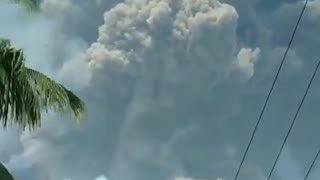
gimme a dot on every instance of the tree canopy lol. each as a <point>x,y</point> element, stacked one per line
<point>25,92</point>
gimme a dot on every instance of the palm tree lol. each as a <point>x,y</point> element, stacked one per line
<point>4,173</point>
<point>29,5</point>
<point>25,92</point>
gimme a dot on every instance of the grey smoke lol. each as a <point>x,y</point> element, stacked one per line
<point>173,89</point>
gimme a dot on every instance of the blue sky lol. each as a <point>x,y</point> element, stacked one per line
<point>172,89</point>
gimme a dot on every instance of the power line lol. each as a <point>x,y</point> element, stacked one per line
<point>312,164</point>
<point>294,119</point>
<point>270,91</point>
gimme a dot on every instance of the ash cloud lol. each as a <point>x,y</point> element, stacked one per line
<point>174,87</point>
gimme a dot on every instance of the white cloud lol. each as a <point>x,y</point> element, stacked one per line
<point>182,178</point>
<point>62,7</point>
<point>102,177</point>
<point>246,60</point>
<point>288,168</point>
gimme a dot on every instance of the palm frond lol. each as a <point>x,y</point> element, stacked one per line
<point>32,6</point>
<point>76,104</point>
<point>55,95</point>
<point>18,102</point>
<point>4,173</point>
<point>24,92</point>
<point>4,43</point>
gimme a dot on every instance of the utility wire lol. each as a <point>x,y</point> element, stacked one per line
<point>294,119</point>
<point>312,164</point>
<point>270,91</point>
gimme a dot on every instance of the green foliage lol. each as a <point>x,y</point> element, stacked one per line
<point>31,6</point>
<point>24,92</point>
<point>4,173</point>
<point>54,95</point>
